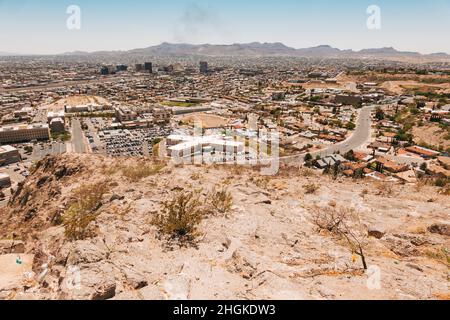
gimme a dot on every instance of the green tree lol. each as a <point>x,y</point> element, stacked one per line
<point>350,126</point>
<point>350,156</point>
<point>358,174</point>
<point>424,166</point>
<point>379,114</point>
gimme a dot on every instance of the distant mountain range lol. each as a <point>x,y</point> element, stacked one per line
<point>257,49</point>
<point>4,54</point>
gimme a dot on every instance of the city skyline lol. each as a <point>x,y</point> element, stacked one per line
<point>41,28</point>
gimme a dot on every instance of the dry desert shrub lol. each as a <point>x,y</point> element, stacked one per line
<point>112,169</point>
<point>332,203</point>
<point>156,150</point>
<point>364,192</point>
<point>445,191</point>
<point>83,210</point>
<point>195,176</point>
<point>261,182</point>
<point>346,225</point>
<point>307,172</point>
<point>441,254</point>
<point>181,215</point>
<point>384,188</point>
<point>220,200</point>
<point>418,230</point>
<point>236,170</point>
<point>328,218</point>
<point>441,182</point>
<point>420,184</point>
<point>121,212</point>
<point>311,188</point>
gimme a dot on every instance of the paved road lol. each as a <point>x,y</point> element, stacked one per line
<point>360,136</point>
<point>78,138</point>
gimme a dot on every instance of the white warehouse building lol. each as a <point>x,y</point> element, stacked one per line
<point>182,146</point>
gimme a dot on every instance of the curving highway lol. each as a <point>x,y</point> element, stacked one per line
<point>359,137</point>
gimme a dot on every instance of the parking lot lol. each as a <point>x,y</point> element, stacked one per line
<point>131,142</point>
<point>94,126</point>
<point>17,172</point>
<point>43,149</point>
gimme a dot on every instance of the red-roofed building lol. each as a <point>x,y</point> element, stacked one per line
<point>388,165</point>
<point>423,152</point>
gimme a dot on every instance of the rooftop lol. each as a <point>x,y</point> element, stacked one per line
<point>7,148</point>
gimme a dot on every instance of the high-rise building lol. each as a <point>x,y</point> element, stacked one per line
<point>148,67</point>
<point>55,114</point>
<point>104,71</point>
<point>121,67</point>
<point>139,67</point>
<point>203,67</point>
<point>168,68</point>
<point>57,125</point>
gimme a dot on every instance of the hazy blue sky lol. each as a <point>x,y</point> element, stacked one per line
<point>39,26</point>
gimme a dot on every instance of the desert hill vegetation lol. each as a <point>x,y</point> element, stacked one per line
<point>95,227</point>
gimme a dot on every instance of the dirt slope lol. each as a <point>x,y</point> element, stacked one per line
<point>266,246</point>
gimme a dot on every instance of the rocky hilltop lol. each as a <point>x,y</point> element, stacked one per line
<point>93,227</point>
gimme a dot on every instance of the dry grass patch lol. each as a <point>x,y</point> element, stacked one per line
<point>121,212</point>
<point>195,176</point>
<point>307,172</point>
<point>278,185</point>
<point>135,173</point>
<point>417,230</point>
<point>220,200</point>
<point>419,185</point>
<point>384,188</point>
<point>261,182</point>
<point>112,169</point>
<point>83,210</point>
<point>445,191</point>
<point>439,254</point>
